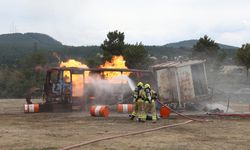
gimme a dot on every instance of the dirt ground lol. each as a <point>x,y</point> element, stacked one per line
<point>49,131</point>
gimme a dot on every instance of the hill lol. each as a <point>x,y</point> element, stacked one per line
<point>191,43</point>
<point>22,55</point>
<point>28,41</point>
<point>14,47</point>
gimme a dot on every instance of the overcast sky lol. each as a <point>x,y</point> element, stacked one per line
<point>152,22</point>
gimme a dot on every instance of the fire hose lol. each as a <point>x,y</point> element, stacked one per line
<point>139,132</point>
<point>230,115</point>
<point>184,116</point>
<point>123,135</point>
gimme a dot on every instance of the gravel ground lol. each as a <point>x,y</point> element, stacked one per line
<point>51,131</point>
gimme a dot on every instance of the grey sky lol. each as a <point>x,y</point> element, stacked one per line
<point>152,22</point>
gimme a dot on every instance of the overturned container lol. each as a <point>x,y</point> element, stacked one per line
<point>31,108</point>
<point>164,112</point>
<point>181,82</point>
<point>99,111</point>
<point>124,108</point>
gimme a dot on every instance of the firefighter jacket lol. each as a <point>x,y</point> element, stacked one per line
<point>151,95</point>
<point>138,94</point>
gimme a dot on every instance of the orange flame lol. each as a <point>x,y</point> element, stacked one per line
<point>77,79</point>
<point>116,62</point>
<point>73,63</point>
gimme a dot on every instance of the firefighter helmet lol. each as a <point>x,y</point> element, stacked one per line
<point>147,86</point>
<point>140,84</point>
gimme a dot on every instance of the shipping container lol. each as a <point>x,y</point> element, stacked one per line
<point>181,82</point>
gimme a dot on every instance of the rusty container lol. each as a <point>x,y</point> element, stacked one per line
<point>31,108</point>
<point>99,111</point>
<point>124,108</point>
<point>181,82</point>
<point>165,112</point>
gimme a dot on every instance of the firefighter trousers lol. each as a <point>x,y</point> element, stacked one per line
<point>139,109</point>
<point>151,108</point>
<point>135,109</point>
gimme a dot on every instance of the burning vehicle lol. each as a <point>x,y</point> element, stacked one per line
<point>74,86</point>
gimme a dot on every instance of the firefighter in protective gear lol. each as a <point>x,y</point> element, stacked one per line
<point>150,102</point>
<point>138,102</point>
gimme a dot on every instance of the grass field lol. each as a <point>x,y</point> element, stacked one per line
<point>51,131</point>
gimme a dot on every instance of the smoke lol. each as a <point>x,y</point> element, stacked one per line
<point>56,55</point>
<point>230,85</point>
<point>230,82</point>
<point>115,88</point>
<point>109,91</point>
<point>218,106</point>
<point>126,78</point>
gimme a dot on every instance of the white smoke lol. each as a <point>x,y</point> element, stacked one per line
<point>214,106</point>
<point>126,78</point>
<point>109,92</point>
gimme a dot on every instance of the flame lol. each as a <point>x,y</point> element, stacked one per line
<point>73,63</point>
<point>116,62</point>
<point>77,79</point>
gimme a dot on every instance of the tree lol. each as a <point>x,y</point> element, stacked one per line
<point>205,48</point>
<point>243,56</point>
<point>33,69</point>
<point>12,83</point>
<point>136,56</point>
<point>113,45</point>
<point>219,59</point>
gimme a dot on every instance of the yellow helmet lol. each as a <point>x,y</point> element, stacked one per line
<point>147,86</point>
<point>140,84</point>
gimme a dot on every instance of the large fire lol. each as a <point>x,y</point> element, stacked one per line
<point>73,63</point>
<point>117,62</point>
<point>77,79</point>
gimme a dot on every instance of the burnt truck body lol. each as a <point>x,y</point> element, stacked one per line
<point>177,84</point>
<point>63,92</point>
<point>181,82</point>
